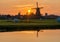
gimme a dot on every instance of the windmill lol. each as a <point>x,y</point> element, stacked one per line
<point>38,13</point>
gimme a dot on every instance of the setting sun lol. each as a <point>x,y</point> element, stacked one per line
<point>29,11</point>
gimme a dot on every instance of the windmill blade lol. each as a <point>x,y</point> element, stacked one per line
<point>33,8</point>
<point>38,7</point>
<point>41,7</point>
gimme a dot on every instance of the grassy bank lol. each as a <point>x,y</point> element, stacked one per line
<point>30,22</point>
<point>10,25</point>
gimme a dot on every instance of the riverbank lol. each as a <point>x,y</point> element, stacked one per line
<point>6,25</point>
<point>27,27</point>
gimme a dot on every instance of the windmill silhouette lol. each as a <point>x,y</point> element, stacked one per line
<point>38,13</point>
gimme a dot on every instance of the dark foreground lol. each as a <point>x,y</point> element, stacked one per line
<point>8,28</point>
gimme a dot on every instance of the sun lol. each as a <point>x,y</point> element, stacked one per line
<point>29,11</point>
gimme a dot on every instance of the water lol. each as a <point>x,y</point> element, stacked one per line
<point>30,36</point>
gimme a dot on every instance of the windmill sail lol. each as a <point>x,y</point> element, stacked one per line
<point>38,13</point>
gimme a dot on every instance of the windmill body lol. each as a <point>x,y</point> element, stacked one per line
<point>38,13</point>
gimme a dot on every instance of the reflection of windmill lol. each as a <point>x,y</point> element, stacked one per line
<point>38,13</point>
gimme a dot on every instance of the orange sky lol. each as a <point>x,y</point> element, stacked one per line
<point>14,6</point>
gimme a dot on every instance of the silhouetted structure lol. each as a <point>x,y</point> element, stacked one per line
<point>38,13</point>
<point>46,14</point>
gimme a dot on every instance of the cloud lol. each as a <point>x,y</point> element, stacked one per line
<point>21,6</point>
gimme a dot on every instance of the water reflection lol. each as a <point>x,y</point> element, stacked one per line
<point>30,36</point>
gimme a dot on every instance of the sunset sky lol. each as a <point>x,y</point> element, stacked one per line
<point>14,6</point>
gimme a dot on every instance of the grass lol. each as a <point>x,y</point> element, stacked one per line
<point>30,22</point>
<point>10,25</point>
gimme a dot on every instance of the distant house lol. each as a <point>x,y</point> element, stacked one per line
<point>51,16</point>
